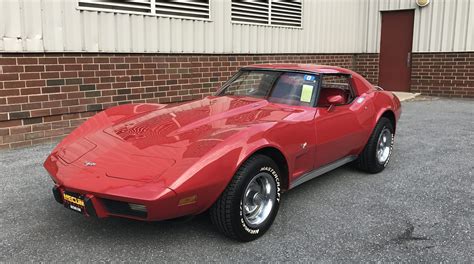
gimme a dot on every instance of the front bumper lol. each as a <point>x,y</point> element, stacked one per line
<point>98,206</point>
<point>105,196</point>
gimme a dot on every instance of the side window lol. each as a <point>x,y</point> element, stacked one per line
<point>335,84</point>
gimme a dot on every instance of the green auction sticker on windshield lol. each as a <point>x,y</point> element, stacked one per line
<point>306,93</point>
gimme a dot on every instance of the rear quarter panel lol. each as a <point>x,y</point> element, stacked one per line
<point>386,101</point>
<point>377,103</point>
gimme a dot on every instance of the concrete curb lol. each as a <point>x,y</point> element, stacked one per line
<point>404,96</point>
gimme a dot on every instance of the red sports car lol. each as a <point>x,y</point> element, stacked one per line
<point>269,129</point>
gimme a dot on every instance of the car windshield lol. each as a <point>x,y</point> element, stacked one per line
<point>293,88</point>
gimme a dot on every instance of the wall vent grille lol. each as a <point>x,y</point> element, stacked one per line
<point>285,13</point>
<point>186,9</point>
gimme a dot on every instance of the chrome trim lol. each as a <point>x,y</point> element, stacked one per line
<point>384,146</point>
<point>259,199</point>
<point>320,171</point>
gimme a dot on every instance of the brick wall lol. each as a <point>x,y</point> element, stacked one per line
<point>443,74</point>
<point>367,65</point>
<point>45,96</point>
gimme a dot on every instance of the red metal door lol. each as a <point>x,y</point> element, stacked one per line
<point>395,50</point>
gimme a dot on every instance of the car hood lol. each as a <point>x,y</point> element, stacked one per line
<point>143,146</point>
<point>212,119</point>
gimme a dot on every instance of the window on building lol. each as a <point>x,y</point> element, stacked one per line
<point>187,9</point>
<point>287,13</point>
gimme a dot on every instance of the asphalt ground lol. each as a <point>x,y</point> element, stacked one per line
<point>420,209</point>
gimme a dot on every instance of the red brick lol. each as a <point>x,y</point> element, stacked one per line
<point>83,74</point>
<point>40,113</point>
<point>29,91</point>
<point>9,92</point>
<point>35,83</point>
<point>71,74</point>
<point>84,60</point>
<point>41,127</point>
<point>38,98</point>
<point>67,60</point>
<point>35,68</point>
<point>49,75</point>
<point>34,135</point>
<point>4,132</point>
<point>17,99</point>
<point>7,61</point>
<point>48,60</point>
<point>51,104</point>
<point>73,67</point>
<point>29,76</point>
<point>54,68</point>
<point>20,130</point>
<point>77,108</point>
<point>8,76</point>
<point>102,60</point>
<point>13,69</point>
<point>23,61</point>
<point>48,119</point>
<point>30,106</point>
<point>10,123</point>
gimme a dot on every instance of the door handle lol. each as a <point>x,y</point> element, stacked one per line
<point>408,59</point>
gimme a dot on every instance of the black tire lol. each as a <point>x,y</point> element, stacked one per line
<point>227,213</point>
<point>367,160</point>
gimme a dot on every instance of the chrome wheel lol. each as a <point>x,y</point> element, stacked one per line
<point>259,199</point>
<point>384,145</point>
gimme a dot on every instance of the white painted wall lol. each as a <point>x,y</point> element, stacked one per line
<point>329,26</point>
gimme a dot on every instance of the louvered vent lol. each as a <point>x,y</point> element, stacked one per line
<point>245,11</point>
<point>133,6</point>
<point>268,12</point>
<point>188,9</point>
<point>286,13</point>
<point>183,8</point>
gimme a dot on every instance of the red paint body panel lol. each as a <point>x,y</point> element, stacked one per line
<point>158,155</point>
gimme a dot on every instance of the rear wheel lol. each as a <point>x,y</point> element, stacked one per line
<point>249,204</point>
<point>376,154</point>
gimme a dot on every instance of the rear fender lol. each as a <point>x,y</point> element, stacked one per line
<point>386,101</point>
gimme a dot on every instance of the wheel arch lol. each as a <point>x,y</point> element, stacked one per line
<point>280,160</point>
<point>390,115</point>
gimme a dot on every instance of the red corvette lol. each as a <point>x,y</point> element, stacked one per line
<point>269,129</point>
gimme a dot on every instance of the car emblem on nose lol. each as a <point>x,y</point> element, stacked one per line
<point>89,164</point>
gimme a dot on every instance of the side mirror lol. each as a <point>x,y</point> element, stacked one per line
<point>335,100</point>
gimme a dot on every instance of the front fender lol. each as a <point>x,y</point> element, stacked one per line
<point>208,177</point>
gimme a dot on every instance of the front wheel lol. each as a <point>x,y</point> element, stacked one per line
<point>376,154</point>
<point>249,204</point>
